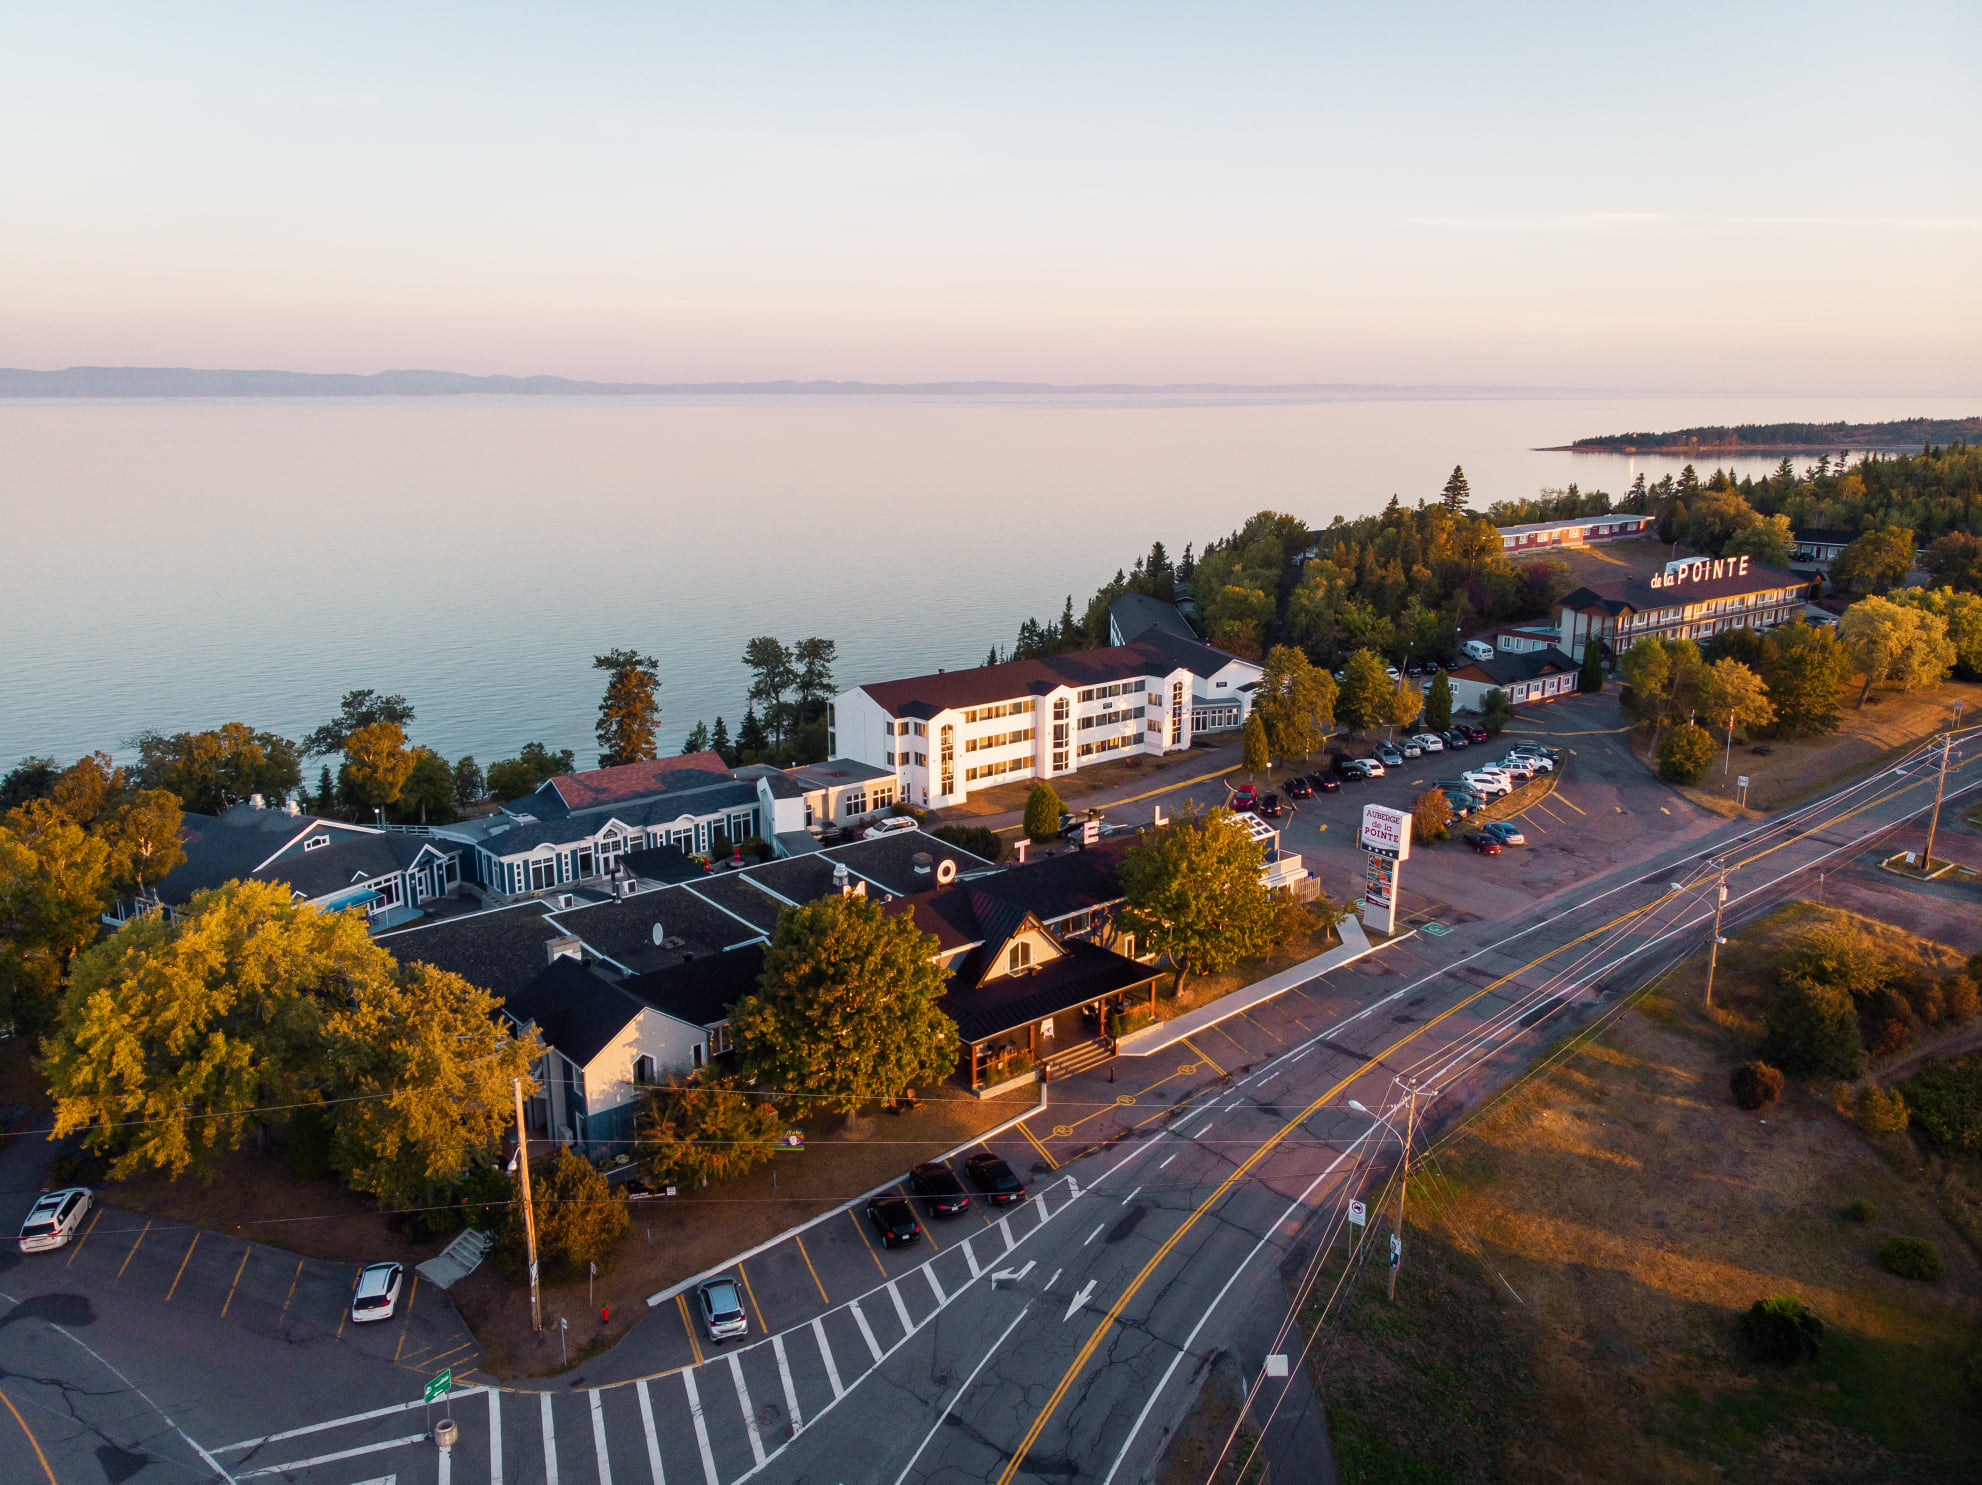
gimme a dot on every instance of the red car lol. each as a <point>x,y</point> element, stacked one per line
<point>1485,844</point>
<point>1243,798</point>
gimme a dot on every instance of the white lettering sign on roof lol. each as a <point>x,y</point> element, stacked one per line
<point>1700,570</point>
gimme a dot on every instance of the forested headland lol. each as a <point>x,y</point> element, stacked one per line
<point>1787,438</point>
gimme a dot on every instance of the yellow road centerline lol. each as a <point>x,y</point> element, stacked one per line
<point>134,1250</point>
<point>1044,1154</point>
<point>33,1442</point>
<point>237,1280</point>
<point>744,1274</point>
<point>1200,1052</point>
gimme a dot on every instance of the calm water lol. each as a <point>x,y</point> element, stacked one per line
<point>182,564</point>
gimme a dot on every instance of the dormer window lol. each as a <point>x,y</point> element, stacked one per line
<point>315,842</point>
<point>1020,957</point>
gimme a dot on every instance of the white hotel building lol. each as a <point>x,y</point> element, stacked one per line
<point>1693,598</point>
<point>945,734</point>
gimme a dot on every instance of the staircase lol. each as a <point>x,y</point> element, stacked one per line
<point>459,1259</point>
<point>1076,1059</point>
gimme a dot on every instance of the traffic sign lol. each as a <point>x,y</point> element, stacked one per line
<point>1396,1250</point>
<point>440,1386</point>
<point>1358,1213</point>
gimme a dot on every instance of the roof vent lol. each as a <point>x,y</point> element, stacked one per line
<point>923,863</point>
<point>254,801</point>
<point>562,948</point>
<point>842,878</point>
<point>660,934</point>
<point>292,809</point>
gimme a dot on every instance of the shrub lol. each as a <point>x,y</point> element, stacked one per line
<point>578,1218</point>
<point>1781,1329</point>
<point>486,1195</point>
<point>1042,812</point>
<point>1496,711</point>
<point>1945,1098</point>
<point>1844,955</point>
<point>1911,1258</point>
<point>1293,921</point>
<point>1431,812</point>
<point>1756,1085</point>
<point>1685,754</point>
<point>1813,1028</point>
<point>975,839</point>
<point>1858,1209</point>
<point>1960,1000</point>
<point>78,1168</point>
<point>309,1143</point>
<point>1877,1111</point>
<point>1121,1023</point>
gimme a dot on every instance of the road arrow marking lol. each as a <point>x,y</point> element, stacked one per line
<point>1086,1293</point>
<point>1012,1275</point>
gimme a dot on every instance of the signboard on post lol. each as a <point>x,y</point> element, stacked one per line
<point>440,1386</point>
<point>1358,1213</point>
<point>1387,832</point>
<point>1386,836</point>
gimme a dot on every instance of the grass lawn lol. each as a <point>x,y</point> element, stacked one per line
<point>1637,1213</point>
<point>1090,779</point>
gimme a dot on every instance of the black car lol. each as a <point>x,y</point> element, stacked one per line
<point>1325,783</point>
<point>1268,807</point>
<point>894,1220</point>
<point>994,1178</point>
<point>1351,769</point>
<point>938,1185</point>
<point>1298,788</point>
<point>1452,737</point>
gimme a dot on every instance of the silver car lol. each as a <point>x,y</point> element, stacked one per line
<point>722,1310</point>
<point>53,1220</point>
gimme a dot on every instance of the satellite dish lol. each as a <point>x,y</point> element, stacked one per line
<point>946,871</point>
<point>659,933</point>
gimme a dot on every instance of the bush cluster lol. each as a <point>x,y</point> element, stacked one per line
<point>1781,1329</point>
<point>1911,1258</point>
<point>976,839</point>
<point>1843,993</point>
<point>1877,1111</point>
<point>1945,1100</point>
<point>1858,1209</point>
<point>1756,1086</point>
<point>1685,754</point>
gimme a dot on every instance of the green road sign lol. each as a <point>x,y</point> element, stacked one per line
<point>440,1386</point>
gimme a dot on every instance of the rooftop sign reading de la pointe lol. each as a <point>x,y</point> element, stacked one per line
<point>1387,832</point>
<point>1699,570</point>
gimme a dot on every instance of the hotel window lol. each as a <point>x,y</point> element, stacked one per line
<point>1019,958</point>
<point>1060,760</point>
<point>1060,708</point>
<point>854,801</point>
<point>1176,712</point>
<point>947,754</point>
<point>543,874</point>
<point>889,759</point>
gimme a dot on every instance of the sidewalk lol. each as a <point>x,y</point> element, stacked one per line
<point>1355,944</point>
<point>1200,764</point>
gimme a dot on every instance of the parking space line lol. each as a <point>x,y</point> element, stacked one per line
<point>866,1244</point>
<point>687,1325</point>
<point>826,1355</point>
<point>1201,1057</point>
<point>824,1298</point>
<point>292,1288</point>
<point>701,1427</point>
<point>237,1280</point>
<point>94,1219</point>
<point>599,1439</point>
<point>1566,800</point>
<point>550,1438</point>
<point>866,1330</point>
<point>1044,1154</point>
<point>134,1250</point>
<point>182,1267</point>
<point>1220,1029</point>
<point>407,1323</point>
<point>1274,1034</point>
<point>743,1274</point>
<point>647,1425</point>
<point>784,1376</point>
<point>347,1304</point>
<point>901,1308</point>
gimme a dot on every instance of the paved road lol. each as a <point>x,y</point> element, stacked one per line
<point>1166,1204</point>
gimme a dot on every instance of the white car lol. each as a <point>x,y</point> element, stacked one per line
<point>1429,743</point>
<point>53,1220</point>
<point>1521,769</point>
<point>1410,747</point>
<point>377,1295</point>
<point>894,825</point>
<point>1540,761</point>
<point>1489,781</point>
<point>722,1310</point>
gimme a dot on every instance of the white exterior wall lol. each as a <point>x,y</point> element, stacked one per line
<point>1470,695</point>
<point>671,1043</point>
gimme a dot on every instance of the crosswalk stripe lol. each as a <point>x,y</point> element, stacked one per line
<point>784,1375</point>
<point>599,1440</point>
<point>826,1355</point>
<point>495,1437</point>
<point>743,1402</point>
<point>701,1426</point>
<point>550,1441</point>
<point>653,1439</point>
<point>901,1311</point>
<point>970,1258</point>
<point>866,1330</point>
<point>1005,1231</point>
<point>929,1273</point>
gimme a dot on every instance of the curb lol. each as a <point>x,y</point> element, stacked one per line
<point>771,1242</point>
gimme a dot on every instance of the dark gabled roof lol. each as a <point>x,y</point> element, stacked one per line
<point>501,950</point>
<point>623,930</point>
<point>1085,972</point>
<point>703,991</point>
<point>1508,666</point>
<point>577,1012</point>
<point>599,787</point>
<point>1048,887</point>
<point>998,923</point>
<point>1825,536</point>
<point>888,861</point>
<point>1154,655</point>
<point>711,796</point>
<point>782,784</point>
<point>729,891</point>
<point>231,845</point>
<point>336,867</point>
<point>664,864</point>
<point>836,773</point>
<point>1137,615</point>
<point>1637,595</point>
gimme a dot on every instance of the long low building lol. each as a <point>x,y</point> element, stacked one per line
<point>1573,531</point>
<point>941,736</point>
<point>1693,598</point>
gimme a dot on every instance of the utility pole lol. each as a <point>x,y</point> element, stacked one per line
<point>1728,764</point>
<point>529,1215</point>
<point>1713,949</point>
<point>1934,820</point>
<point>1403,1180</point>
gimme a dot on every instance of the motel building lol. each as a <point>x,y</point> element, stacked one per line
<point>1693,598</point>
<point>1574,532</point>
<point>944,735</point>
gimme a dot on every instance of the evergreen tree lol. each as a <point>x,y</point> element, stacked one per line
<point>1070,629</point>
<point>469,785</point>
<point>326,794</point>
<point>719,741</point>
<point>629,710</point>
<point>775,676</point>
<point>751,743</point>
<point>1591,680</point>
<point>1042,812</point>
<point>1258,756</point>
<point>697,740</point>
<point>1438,703</point>
<point>1455,494</point>
<point>1188,567</point>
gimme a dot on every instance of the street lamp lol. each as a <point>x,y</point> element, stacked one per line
<point>1359,1108</point>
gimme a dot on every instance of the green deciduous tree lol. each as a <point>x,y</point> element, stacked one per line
<point>512,778</point>
<point>846,1010</point>
<point>54,885</point>
<point>1256,747</point>
<point>143,840</point>
<point>1890,643</point>
<point>358,709</point>
<point>1431,814</point>
<point>1685,754</point>
<point>577,1216</point>
<point>1438,703</point>
<point>1768,541</point>
<point>695,1130</point>
<point>1366,691</point>
<point>1404,704</point>
<point>1813,1030</point>
<point>377,764</point>
<point>1962,613</point>
<point>1042,812</point>
<point>1876,561</point>
<point>1296,701</point>
<point>1955,561</point>
<point>1590,680</point>
<point>1496,711</point>
<point>1734,698</point>
<point>469,785</point>
<point>774,676</point>
<point>1806,671</point>
<point>29,779</point>
<point>428,793</point>
<point>1194,894</point>
<point>211,770</point>
<point>630,710</point>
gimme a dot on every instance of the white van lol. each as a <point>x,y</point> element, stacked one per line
<point>1479,649</point>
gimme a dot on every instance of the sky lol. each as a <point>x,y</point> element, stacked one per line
<point>1722,196</point>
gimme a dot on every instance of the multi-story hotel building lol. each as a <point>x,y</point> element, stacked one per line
<point>1693,598</point>
<point>944,735</point>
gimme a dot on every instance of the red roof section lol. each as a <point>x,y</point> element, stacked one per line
<point>602,786</point>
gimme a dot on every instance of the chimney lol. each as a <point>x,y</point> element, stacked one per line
<point>922,862</point>
<point>254,801</point>
<point>292,809</point>
<point>562,948</point>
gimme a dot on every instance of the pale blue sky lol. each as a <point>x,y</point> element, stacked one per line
<point>1685,196</point>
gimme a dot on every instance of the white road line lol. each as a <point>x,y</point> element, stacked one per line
<point>970,1257</point>
<point>791,1392</point>
<point>1094,1234</point>
<point>653,1439</point>
<point>1125,1201</point>
<point>1073,1189</point>
<point>599,1439</point>
<point>826,1355</point>
<point>444,1470</point>
<point>743,1402</point>
<point>901,1309</point>
<point>943,1417</point>
<point>1299,1055</point>
<point>297,1433</point>
<point>1232,1105</point>
<point>701,1426</point>
<point>495,1437</point>
<point>929,1273</point>
<point>1005,1230</point>
<point>1198,1134</point>
<point>1039,1204</point>
<point>1167,1159</point>
<point>866,1330</point>
<point>303,1464</point>
<point>550,1440</point>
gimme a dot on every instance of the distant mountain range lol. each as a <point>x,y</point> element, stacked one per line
<point>182,381</point>
<point>1784,438</point>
